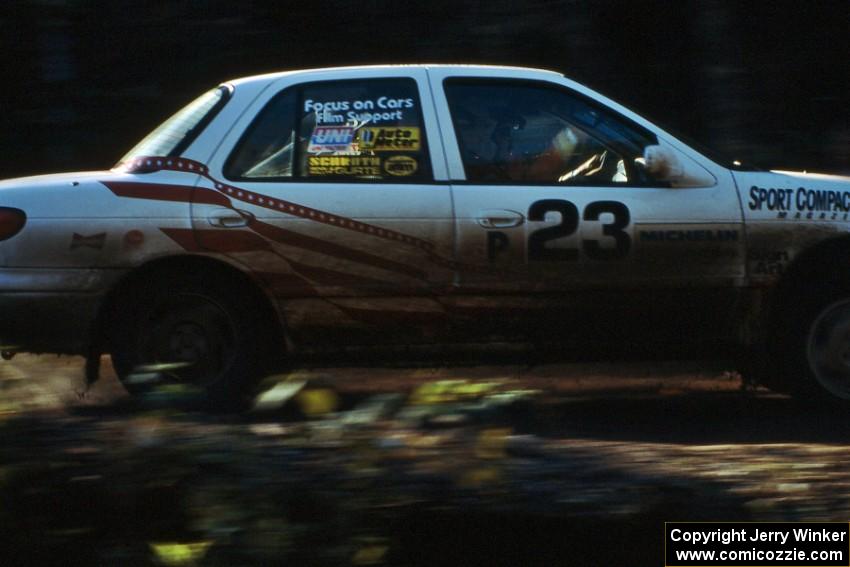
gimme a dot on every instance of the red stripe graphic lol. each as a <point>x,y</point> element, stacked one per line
<point>151,164</point>
<point>163,192</point>
<point>218,240</point>
<point>227,192</point>
<point>224,240</point>
<point>327,277</point>
<point>384,317</point>
<point>228,241</point>
<point>289,284</point>
<point>183,193</point>
<point>231,241</point>
<point>299,240</point>
<point>184,237</point>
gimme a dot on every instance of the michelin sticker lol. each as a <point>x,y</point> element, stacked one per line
<point>701,248</point>
<point>688,235</point>
<point>381,109</point>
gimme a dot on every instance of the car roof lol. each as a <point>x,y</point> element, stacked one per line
<point>448,67</point>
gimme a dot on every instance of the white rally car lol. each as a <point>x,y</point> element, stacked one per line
<point>424,204</point>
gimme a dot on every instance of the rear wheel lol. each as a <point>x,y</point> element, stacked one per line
<point>205,334</point>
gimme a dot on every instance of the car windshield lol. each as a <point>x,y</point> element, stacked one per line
<point>176,133</point>
<point>715,155</point>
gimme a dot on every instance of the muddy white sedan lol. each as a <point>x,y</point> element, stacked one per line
<point>424,205</point>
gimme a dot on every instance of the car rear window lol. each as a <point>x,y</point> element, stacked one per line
<point>174,135</point>
<point>360,129</point>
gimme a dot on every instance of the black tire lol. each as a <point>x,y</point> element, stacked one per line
<point>810,358</point>
<point>213,325</point>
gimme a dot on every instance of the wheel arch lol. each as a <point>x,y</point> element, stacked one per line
<point>814,266</point>
<point>241,279</point>
<point>776,316</point>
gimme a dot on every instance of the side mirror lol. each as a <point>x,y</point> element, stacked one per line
<point>663,164</point>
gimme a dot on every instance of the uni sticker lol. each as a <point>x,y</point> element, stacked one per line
<point>331,139</point>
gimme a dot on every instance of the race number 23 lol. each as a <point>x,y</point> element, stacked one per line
<point>537,251</point>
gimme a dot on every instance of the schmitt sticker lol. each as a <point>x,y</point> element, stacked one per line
<point>400,165</point>
<point>376,139</point>
<point>344,165</point>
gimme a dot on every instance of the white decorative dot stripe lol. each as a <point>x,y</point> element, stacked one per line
<point>151,164</point>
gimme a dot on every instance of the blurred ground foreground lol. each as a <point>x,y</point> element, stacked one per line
<point>507,465</point>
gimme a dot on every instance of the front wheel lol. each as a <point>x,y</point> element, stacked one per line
<point>201,333</point>
<point>828,348</point>
<point>808,354</point>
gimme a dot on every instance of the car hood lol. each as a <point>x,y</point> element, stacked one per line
<point>794,180</point>
<point>52,179</point>
<point>789,179</point>
<point>807,176</point>
<point>80,195</point>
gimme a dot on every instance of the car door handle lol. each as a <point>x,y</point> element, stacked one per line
<point>229,218</point>
<point>499,219</point>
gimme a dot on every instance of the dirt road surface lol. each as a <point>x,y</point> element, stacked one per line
<point>483,465</point>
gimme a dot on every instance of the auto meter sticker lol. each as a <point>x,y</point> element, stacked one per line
<point>801,203</point>
<point>344,165</point>
<point>378,139</point>
<point>331,139</point>
<point>371,110</point>
<point>400,165</point>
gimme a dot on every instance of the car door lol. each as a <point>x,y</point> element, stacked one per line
<point>560,229</point>
<point>331,202</point>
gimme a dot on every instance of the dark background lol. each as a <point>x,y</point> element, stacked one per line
<point>766,82</point>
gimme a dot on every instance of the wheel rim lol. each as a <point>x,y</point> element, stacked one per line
<point>829,348</point>
<point>192,329</point>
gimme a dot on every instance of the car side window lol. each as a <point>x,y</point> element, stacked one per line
<point>369,129</point>
<point>524,131</point>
